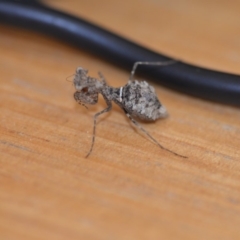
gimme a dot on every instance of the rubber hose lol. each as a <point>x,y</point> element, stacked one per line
<point>196,81</point>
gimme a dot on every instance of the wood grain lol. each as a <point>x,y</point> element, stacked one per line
<point>128,188</point>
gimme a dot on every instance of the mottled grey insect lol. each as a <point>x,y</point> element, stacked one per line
<point>137,99</point>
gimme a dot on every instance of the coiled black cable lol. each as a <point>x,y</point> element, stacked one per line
<point>200,82</point>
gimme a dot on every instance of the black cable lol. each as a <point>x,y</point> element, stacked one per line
<point>193,80</point>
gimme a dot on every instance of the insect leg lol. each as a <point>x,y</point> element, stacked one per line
<point>153,139</point>
<point>164,63</point>
<point>95,120</point>
<point>102,78</point>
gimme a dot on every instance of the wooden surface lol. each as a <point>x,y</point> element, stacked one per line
<point>128,188</point>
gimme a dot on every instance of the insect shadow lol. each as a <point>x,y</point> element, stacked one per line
<point>137,99</point>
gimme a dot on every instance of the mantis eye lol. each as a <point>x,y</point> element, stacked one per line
<point>85,90</point>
